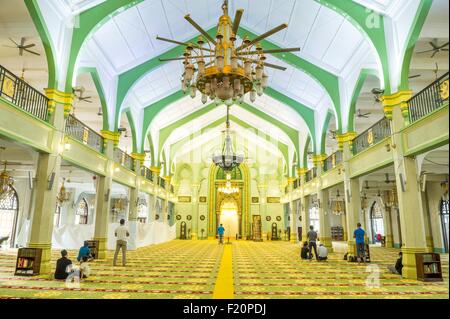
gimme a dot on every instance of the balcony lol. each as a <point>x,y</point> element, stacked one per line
<point>429,99</point>
<point>311,174</point>
<point>376,133</point>
<point>162,182</point>
<point>22,95</point>
<point>84,134</point>
<point>333,160</point>
<point>123,159</point>
<point>147,173</point>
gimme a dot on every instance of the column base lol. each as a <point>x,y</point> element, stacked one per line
<point>194,236</point>
<point>409,270</point>
<point>102,248</point>
<point>46,257</point>
<point>293,238</point>
<point>326,241</point>
<point>389,241</point>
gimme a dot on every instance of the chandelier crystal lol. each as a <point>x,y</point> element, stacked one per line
<point>228,159</point>
<point>228,188</point>
<point>221,69</point>
<point>338,207</point>
<point>6,182</point>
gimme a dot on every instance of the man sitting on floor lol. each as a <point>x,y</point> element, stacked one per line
<point>84,251</point>
<point>304,254</point>
<point>322,251</point>
<point>61,266</point>
<point>397,269</point>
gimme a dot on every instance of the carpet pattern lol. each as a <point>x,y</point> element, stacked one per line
<point>274,270</point>
<point>190,270</point>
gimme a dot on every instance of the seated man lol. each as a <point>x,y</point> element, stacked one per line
<point>322,251</point>
<point>84,251</point>
<point>304,254</point>
<point>61,266</point>
<point>397,269</point>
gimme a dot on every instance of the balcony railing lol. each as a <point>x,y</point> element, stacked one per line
<point>147,173</point>
<point>21,94</point>
<point>371,136</point>
<point>123,158</point>
<point>162,182</point>
<point>296,183</point>
<point>79,131</point>
<point>333,160</point>
<point>312,173</point>
<point>429,99</point>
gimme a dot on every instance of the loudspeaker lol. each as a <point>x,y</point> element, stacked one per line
<point>424,182</point>
<point>402,182</point>
<point>30,180</point>
<point>107,195</point>
<point>50,181</point>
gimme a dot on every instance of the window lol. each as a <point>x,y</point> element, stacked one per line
<point>314,218</point>
<point>377,223</point>
<point>8,215</point>
<point>142,211</point>
<point>82,213</point>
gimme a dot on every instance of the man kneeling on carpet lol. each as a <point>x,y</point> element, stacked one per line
<point>61,266</point>
<point>322,253</point>
<point>305,251</point>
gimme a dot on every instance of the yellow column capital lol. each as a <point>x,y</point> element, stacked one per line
<point>111,136</point>
<point>155,169</point>
<point>400,98</point>
<point>57,97</point>
<point>138,156</point>
<point>318,159</point>
<point>346,137</point>
<point>301,171</point>
<point>291,180</point>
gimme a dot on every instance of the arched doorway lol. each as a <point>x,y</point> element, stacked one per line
<point>376,221</point>
<point>9,208</point>
<point>229,218</point>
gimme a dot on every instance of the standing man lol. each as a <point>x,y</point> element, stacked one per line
<point>358,234</point>
<point>312,238</point>
<point>121,233</point>
<point>221,231</point>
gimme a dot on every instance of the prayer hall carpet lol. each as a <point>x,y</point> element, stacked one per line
<point>193,269</point>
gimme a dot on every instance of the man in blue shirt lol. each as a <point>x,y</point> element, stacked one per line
<point>221,231</point>
<point>84,251</point>
<point>358,234</point>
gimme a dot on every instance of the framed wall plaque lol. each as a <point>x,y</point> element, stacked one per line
<point>178,217</point>
<point>188,217</point>
<point>202,199</point>
<point>156,217</point>
<point>255,200</point>
<point>184,199</point>
<point>202,217</point>
<point>273,200</point>
<point>268,218</point>
<point>278,218</point>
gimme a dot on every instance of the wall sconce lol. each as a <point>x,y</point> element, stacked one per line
<point>340,171</point>
<point>390,146</point>
<point>107,195</point>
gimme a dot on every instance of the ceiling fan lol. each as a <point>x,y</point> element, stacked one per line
<point>366,185</point>
<point>387,180</point>
<point>80,90</point>
<point>359,114</point>
<point>22,47</point>
<point>436,48</point>
<point>377,94</point>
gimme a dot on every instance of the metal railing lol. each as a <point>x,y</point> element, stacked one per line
<point>162,182</point>
<point>429,99</point>
<point>123,158</point>
<point>147,173</point>
<point>172,189</point>
<point>79,131</point>
<point>372,135</point>
<point>312,173</point>
<point>297,183</point>
<point>21,94</point>
<point>333,160</point>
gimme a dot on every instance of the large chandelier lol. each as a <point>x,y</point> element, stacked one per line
<point>224,71</point>
<point>338,207</point>
<point>228,188</point>
<point>390,197</point>
<point>63,195</point>
<point>228,159</point>
<point>6,182</point>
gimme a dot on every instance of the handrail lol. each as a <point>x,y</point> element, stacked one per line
<point>312,173</point>
<point>161,182</point>
<point>429,99</point>
<point>23,95</point>
<point>333,160</point>
<point>372,135</point>
<point>123,158</point>
<point>83,133</point>
<point>147,173</point>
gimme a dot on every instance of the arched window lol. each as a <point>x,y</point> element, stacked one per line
<point>236,174</point>
<point>81,217</point>
<point>376,220</point>
<point>9,205</point>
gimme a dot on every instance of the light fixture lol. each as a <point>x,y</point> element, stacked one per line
<point>390,197</point>
<point>228,188</point>
<point>6,182</point>
<point>224,71</point>
<point>338,207</point>
<point>62,196</point>
<point>227,160</point>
